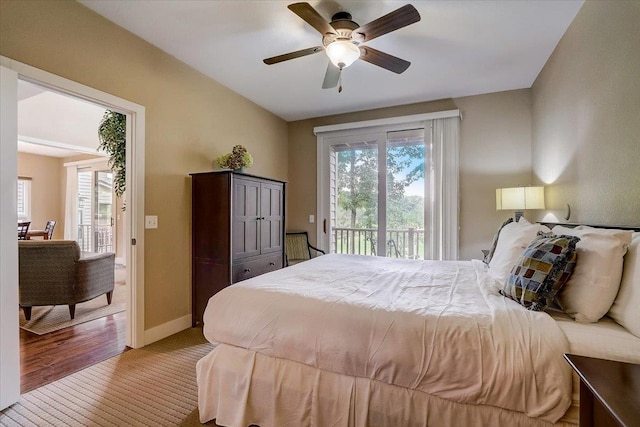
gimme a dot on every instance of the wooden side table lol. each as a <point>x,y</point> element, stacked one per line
<point>609,391</point>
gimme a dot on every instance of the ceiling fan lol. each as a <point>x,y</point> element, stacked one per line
<point>342,40</point>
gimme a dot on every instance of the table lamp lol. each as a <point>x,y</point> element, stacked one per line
<point>519,198</point>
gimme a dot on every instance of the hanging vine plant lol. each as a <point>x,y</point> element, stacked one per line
<point>113,141</point>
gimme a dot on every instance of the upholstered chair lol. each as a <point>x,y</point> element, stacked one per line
<point>55,272</point>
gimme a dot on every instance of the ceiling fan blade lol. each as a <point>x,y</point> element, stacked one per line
<point>384,60</point>
<point>292,55</point>
<point>312,17</point>
<point>331,77</point>
<point>395,20</point>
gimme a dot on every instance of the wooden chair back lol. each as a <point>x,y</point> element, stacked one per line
<point>49,229</point>
<point>23,227</point>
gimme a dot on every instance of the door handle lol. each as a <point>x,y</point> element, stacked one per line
<point>247,270</point>
<point>324,225</point>
<point>272,263</point>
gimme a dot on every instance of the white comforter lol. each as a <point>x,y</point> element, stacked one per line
<point>437,327</point>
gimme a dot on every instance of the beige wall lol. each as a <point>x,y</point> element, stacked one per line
<point>46,197</point>
<point>586,117</point>
<point>495,151</point>
<point>190,120</point>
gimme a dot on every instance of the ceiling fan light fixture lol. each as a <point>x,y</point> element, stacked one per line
<point>342,53</point>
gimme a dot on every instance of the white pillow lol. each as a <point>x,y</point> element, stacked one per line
<point>594,284</point>
<point>514,238</point>
<point>626,307</point>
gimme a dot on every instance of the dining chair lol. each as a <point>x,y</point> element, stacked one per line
<point>49,229</point>
<point>23,227</point>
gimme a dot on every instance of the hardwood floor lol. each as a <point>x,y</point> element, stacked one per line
<point>49,357</point>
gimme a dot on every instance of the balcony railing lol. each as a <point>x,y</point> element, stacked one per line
<point>101,235</point>
<point>407,243</point>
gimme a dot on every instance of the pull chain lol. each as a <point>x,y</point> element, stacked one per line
<point>340,81</point>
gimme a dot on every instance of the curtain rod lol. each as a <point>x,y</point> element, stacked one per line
<point>388,121</point>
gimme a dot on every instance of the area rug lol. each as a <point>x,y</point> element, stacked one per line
<point>151,386</point>
<point>52,318</point>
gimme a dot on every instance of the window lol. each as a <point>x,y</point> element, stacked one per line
<point>24,199</point>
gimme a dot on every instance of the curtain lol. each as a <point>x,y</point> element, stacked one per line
<point>444,190</point>
<point>70,215</point>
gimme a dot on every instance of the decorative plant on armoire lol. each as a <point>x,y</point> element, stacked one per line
<point>237,160</point>
<point>112,135</point>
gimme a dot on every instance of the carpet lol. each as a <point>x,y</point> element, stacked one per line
<point>151,386</point>
<point>47,319</point>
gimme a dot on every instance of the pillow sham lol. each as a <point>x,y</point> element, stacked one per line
<point>513,239</point>
<point>593,287</point>
<point>542,270</point>
<point>626,307</point>
<point>494,242</point>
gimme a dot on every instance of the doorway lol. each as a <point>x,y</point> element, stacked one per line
<point>378,193</point>
<point>389,187</point>
<point>11,71</point>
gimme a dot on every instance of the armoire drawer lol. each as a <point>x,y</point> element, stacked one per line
<point>247,269</point>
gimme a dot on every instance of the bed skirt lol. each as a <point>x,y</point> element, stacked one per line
<point>237,388</point>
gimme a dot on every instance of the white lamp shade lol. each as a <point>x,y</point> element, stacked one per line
<point>342,53</point>
<point>534,197</point>
<point>520,198</point>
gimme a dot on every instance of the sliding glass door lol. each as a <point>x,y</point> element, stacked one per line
<point>390,189</point>
<point>406,195</point>
<point>354,205</point>
<point>95,210</point>
<point>375,194</point>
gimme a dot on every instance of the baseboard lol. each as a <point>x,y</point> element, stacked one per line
<point>167,329</point>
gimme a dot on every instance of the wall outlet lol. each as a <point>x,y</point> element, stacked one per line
<point>312,219</point>
<point>151,221</point>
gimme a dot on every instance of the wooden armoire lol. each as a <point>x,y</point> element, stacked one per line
<point>237,231</point>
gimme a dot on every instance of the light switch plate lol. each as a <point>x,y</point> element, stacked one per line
<point>312,219</point>
<point>151,221</point>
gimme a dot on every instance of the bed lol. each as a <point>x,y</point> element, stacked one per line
<point>347,340</point>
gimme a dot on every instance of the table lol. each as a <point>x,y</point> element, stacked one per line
<point>37,233</point>
<point>609,391</point>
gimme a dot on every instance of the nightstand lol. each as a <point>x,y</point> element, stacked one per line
<point>609,391</point>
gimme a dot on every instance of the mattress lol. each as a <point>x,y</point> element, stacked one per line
<point>435,330</point>
<point>604,340</point>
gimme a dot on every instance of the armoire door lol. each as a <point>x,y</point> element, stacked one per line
<point>246,218</point>
<point>271,217</point>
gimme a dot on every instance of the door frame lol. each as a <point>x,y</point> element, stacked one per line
<point>9,338</point>
<point>135,131</point>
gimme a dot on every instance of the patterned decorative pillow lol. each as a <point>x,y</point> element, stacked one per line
<point>494,242</point>
<point>542,270</point>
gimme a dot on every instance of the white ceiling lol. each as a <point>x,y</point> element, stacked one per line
<point>56,125</point>
<point>459,48</point>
